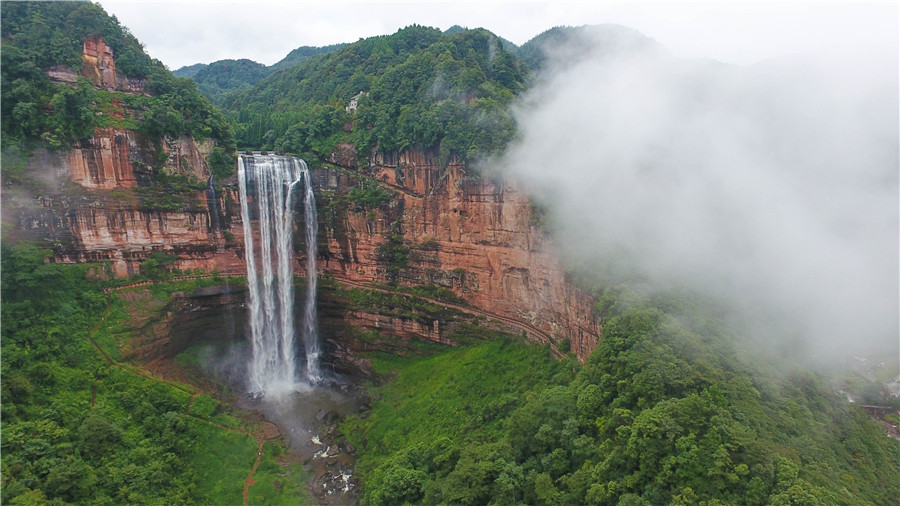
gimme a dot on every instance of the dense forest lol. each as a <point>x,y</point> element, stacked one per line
<point>37,112</point>
<point>83,426</point>
<point>667,409</point>
<point>418,88</point>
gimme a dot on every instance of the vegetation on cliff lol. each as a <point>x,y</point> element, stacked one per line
<point>664,412</point>
<point>42,36</point>
<point>417,88</point>
<point>82,427</point>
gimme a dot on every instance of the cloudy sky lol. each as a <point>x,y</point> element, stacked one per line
<point>195,31</point>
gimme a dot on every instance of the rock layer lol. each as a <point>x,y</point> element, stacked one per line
<point>469,235</point>
<point>472,235</point>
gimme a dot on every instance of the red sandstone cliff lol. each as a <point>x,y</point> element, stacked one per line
<point>468,234</point>
<point>472,235</point>
<point>99,67</point>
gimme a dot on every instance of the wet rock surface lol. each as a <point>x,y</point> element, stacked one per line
<point>308,421</point>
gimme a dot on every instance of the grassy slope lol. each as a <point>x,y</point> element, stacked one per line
<point>664,412</point>
<point>81,428</point>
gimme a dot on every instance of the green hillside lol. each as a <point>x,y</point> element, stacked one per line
<point>665,411</point>
<point>38,36</point>
<point>421,89</point>
<point>220,78</point>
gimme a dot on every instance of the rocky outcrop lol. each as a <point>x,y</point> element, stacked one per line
<point>116,159</point>
<point>105,161</point>
<point>474,236</point>
<point>99,67</point>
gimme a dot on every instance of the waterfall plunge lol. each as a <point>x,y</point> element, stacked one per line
<point>270,180</point>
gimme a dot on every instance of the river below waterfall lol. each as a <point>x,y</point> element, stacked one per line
<point>306,411</point>
<point>307,419</point>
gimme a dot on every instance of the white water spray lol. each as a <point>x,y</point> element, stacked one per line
<point>270,180</point>
<point>310,319</point>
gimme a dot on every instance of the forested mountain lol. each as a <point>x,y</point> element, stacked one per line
<point>42,36</point>
<point>302,54</point>
<point>571,44</point>
<point>420,89</point>
<point>219,78</point>
<point>189,70</point>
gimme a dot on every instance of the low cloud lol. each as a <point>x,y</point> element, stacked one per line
<point>773,188</point>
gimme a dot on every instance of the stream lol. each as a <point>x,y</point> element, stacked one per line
<point>307,419</point>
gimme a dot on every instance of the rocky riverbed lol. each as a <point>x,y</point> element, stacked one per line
<point>307,419</point>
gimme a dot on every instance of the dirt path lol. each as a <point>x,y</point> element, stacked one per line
<point>191,403</point>
<point>249,481</point>
<point>265,433</point>
<point>96,329</point>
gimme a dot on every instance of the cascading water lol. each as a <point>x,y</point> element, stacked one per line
<point>270,181</point>
<point>310,319</point>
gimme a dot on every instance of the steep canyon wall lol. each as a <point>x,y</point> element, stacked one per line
<point>475,236</point>
<point>443,226</point>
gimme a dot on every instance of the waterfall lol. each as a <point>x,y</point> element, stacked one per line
<point>310,319</point>
<point>269,181</point>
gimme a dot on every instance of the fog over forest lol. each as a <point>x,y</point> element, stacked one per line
<point>773,187</point>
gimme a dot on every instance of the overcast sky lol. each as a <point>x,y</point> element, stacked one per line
<point>193,31</point>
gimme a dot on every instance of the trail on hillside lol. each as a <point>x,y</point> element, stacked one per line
<point>249,481</point>
<point>261,436</point>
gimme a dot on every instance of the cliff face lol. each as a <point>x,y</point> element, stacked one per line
<point>471,235</point>
<point>475,237</point>
<point>118,159</point>
<point>103,200</point>
<point>109,218</point>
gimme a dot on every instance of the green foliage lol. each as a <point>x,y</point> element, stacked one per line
<point>663,412</point>
<point>78,429</point>
<point>393,254</point>
<point>174,192</point>
<point>41,35</point>
<point>368,196</point>
<point>438,414</point>
<point>66,435</point>
<point>304,53</point>
<point>221,163</point>
<point>423,90</point>
<point>157,265</point>
<point>204,406</point>
<point>219,78</point>
<point>400,306</point>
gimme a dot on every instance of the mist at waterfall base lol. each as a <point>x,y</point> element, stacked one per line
<point>771,189</point>
<point>281,376</point>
